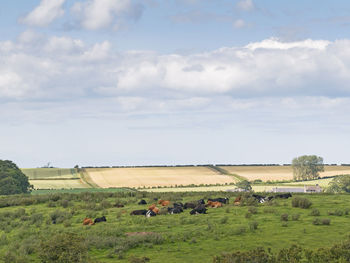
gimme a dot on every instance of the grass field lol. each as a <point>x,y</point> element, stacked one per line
<point>157,176</point>
<point>49,173</point>
<point>278,173</point>
<point>174,238</point>
<point>58,184</point>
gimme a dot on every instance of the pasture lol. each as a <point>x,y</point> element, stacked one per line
<point>28,229</point>
<point>156,176</point>
<point>278,173</point>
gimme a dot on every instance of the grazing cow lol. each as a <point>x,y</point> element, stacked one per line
<point>88,222</point>
<point>200,209</point>
<point>237,200</point>
<point>174,210</point>
<point>150,213</point>
<point>139,212</point>
<point>142,202</point>
<point>100,219</point>
<point>214,204</point>
<point>220,199</point>
<point>259,198</point>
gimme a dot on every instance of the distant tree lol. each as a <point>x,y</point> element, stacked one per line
<point>244,185</point>
<point>12,179</point>
<point>340,184</point>
<point>307,167</point>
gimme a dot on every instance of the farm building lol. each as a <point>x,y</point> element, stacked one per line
<point>313,189</point>
<point>305,189</point>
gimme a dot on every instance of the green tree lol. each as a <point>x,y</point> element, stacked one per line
<point>244,185</point>
<point>12,180</point>
<point>307,167</point>
<point>340,184</point>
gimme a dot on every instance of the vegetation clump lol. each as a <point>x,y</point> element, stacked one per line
<point>301,202</point>
<point>12,179</point>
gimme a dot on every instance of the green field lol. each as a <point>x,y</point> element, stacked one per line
<point>49,173</point>
<point>174,238</point>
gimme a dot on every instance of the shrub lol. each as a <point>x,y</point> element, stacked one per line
<point>64,203</point>
<point>315,212</point>
<point>253,210</point>
<point>58,216</point>
<point>295,217</point>
<point>253,225</point>
<point>63,248</point>
<point>316,221</point>
<point>284,217</point>
<point>326,221</point>
<point>301,202</point>
<point>336,212</point>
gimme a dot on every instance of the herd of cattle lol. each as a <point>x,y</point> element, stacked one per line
<point>197,207</point>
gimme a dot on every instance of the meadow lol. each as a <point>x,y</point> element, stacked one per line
<point>27,231</point>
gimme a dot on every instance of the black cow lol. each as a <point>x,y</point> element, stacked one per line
<point>284,196</point>
<point>179,204</point>
<point>139,212</point>
<point>261,199</point>
<point>200,209</point>
<point>150,213</point>
<point>175,210</point>
<point>220,199</point>
<point>190,205</point>
<point>100,219</point>
<point>201,201</point>
<point>142,202</point>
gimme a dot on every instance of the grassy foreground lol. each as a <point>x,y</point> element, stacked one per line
<point>27,225</point>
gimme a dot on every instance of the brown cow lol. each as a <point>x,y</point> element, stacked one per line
<point>165,203</point>
<point>237,200</point>
<point>214,204</point>
<point>152,206</point>
<point>155,210</point>
<point>88,221</point>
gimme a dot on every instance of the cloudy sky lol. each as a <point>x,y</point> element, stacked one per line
<point>131,82</point>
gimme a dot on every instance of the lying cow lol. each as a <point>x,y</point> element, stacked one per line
<point>152,206</point>
<point>88,222</point>
<point>284,196</point>
<point>141,212</point>
<point>142,202</point>
<point>200,209</point>
<point>237,200</point>
<point>100,219</point>
<point>193,204</point>
<point>220,199</point>
<point>179,204</point>
<point>150,213</point>
<point>174,210</point>
<point>214,204</point>
<point>164,202</point>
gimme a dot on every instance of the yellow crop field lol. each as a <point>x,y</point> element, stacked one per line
<point>58,184</point>
<point>155,176</point>
<point>278,173</point>
<point>49,173</point>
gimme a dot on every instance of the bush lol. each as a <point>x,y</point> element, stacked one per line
<point>326,221</point>
<point>336,212</point>
<point>284,217</point>
<point>316,221</point>
<point>63,248</point>
<point>253,210</point>
<point>301,202</point>
<point>253,225</point>
<point>295,217</point>
<point>59,216</point>
<point>315,212</point>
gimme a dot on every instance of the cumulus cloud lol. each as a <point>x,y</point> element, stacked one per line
<point>234,78</point>
<point>45,13</point>
<point>245,5</point>
<point>97,14</point>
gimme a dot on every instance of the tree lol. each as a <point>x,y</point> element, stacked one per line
<point>307,167</point>
<point>12,179</point>
<point>340,184</point>
<point>244,185</point>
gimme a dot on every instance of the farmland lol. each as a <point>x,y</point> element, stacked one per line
<point>278,173</point>
<point>156,176</point>
<point>27,226</point>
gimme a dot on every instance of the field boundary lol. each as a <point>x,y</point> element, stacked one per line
<point>87,179</point>
<point>225,172</point>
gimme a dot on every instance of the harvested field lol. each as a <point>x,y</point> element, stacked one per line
<point>58,184</point>
<point>155,176</point>
<point>49,173</point>
<point>278,173</point>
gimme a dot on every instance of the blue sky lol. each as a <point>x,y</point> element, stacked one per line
<point>123,82</point>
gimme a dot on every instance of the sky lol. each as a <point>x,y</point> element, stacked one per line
<point>151,82</point>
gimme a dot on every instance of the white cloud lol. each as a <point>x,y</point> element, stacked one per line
<point>97,14</point>
<point>245,5</point>
<point>45,13</point>
<point>239,23</point>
